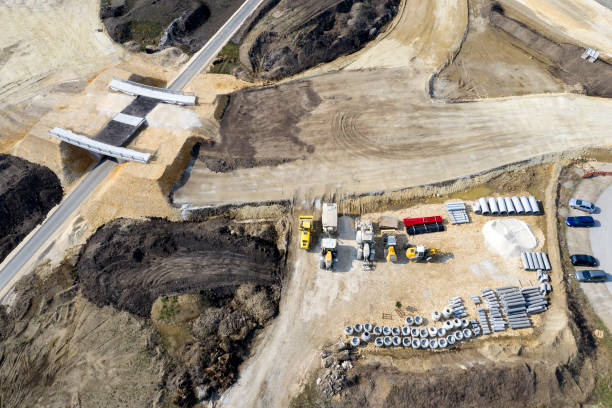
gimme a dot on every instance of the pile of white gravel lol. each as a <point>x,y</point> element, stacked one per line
<point>509,237</point>
<point>173,117</point>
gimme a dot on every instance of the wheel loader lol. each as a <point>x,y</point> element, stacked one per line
<point>329,253</point>
<point>420,253</point>
<point>390,241</point>
<point>306,229</point>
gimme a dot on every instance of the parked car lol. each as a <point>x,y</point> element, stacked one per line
<point>591,276</point>
<point>583,260</point>
<point>582,205</point>
<point>582,221</point>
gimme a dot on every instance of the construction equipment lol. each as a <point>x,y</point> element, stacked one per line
<point>365,242</point>
<point>306,228</point>
<point>390,245</point>
<point>329,253</point>
<point>420,253</point>
<point>329,245</point>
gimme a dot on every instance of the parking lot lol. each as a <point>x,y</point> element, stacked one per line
<point>594,241</point>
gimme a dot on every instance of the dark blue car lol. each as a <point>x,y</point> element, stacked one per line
<point>582,221</point>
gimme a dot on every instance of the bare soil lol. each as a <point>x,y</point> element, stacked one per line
<point>27,192</point>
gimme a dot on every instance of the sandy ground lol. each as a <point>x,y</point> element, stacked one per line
<point>582,22</point>
<point>48,41</point>
<point>594,241</point>
<point>317,304</point>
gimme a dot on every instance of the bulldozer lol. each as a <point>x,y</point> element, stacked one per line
<point>390,244</point>
<point>306,229</point>
<point>329,253</point>
<point>420,254</point>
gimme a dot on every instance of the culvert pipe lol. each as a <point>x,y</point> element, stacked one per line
<point>493,206</point>
<point>433,344</point>
<point>409,320</point>
<point>517,205</point>
<point>418,320</point>
<point>535,208</point>
<point>484,206</point>
<point>377,330</point>
<point>405,331</point>
<point>387,341</point>
<point>397,341</point>
<point>406,341</point>
<point>414,332</point>
<point>355,341</point>
<point>467,333</point>
<point>448,324</point>
<point>546,262</point>
<point>447,312</point>
<point>458,335</point>
<point>348,330</point>
<point>367,327</point>
<point>358,328</point>
<point>540,260</point>
<point>423,333</point>
<point>396,331</point>
<point>509,206</point>
<point>378,342</point>
<point>416,343</point>
<point>526,205</point>
<point>501,204</point>
<point>432,331</point>
<point>464,323</point>
<point>441,332</point>
<point>450,339</point>
<point>366,336</point>
<point>524,259</point>
<point>456,323</point>
<point>424,343</point>
<point>435,316</point>
<point>530,261</point>
<point>386,330</point>
<point>442,343</point>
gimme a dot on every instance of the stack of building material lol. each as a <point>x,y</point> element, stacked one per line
<point>535,302</point>
<point>457,213</point>
<point>476,300</point>
<point>475,328</point>
<point>456,304</point>
<point>484,323</point>
<point>497,320</point>
<point>515,307</point>
<point>423,225</point>
<point>533,261</point>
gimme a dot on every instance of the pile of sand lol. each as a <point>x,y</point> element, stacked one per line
<point>172,117</point>
<point>508,237</point>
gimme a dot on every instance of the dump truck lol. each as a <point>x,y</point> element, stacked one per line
<point>420,253</point>
<point>329,218</point>
<point>365,242</point>
<point>390,240</point>
<point>329,253</point>
<point>306,229</point>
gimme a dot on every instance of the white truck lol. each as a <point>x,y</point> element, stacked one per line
<point>329,218</point>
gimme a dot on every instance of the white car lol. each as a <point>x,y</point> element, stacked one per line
<point>582,205</point>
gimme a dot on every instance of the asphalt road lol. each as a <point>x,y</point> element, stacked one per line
<point>34,242</point>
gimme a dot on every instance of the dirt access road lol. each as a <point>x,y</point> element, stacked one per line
<point>359,126</point>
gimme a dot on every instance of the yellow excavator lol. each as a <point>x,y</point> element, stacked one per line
<point>306,228</point>
<point>420,254</point>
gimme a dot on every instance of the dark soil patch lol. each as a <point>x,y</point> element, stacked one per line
<point>160,24</point>
<point>564,59</point>
<point>297,35</point>
<point>249,139</point>
<point>129,264</point>
<point>27,193</point>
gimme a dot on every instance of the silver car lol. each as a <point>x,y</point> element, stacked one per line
<point>582,205</point>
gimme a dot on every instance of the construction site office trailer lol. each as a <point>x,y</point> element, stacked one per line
<point>484,206</point>
<point>517,205</point>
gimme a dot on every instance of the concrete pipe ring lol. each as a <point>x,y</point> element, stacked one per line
<point>406,341</point>
<point>358,327</point>
<point>416,343</point>
<point>367,327</point>
<point>435,316</point>
<point>397,341</point>
<point>467,333</point>
<point>405,331</point>
<point>442,343</point>
<point>409,320</point>
<point>377,330</point>
<point>386,330</point>
<point>464,323</point>
<point>458,335</point>
<point>450,339</point>
<point>387,341</point>
<point>418,320</point>
<point>355,341</point>
<point>441,332</point>
<point>424,343</point>
<point>348,330</point>
<point>396,331</point>
<point>366,336</point>
<point>448,325</point>
<point>456,323</point>
<point>447,312</point>
<point>424,333</point>
<point>414,332</point>
<point>378,342</point>
<point>433,344</point>
<point>432,331</point>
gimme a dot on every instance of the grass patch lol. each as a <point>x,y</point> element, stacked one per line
<point>228,59</point>
<point>146,32</point>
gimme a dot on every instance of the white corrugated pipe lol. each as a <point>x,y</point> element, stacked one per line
<point>366,336</point>
<point>493,206</point>
<point>432,331</point>
<point>441,332</point>
<point>458,335</point>
<point>435,316</point>
<point>456,323</point>
<point>448,324</point>
<point>526,206</point>
<point>545,259</point>
<point>517,205</point>
<point>484,206</point>
<point>535,208</point>
<point>447,312</point>
<point>464,323</point>
<point>509,206</point>
<point>501,203</point>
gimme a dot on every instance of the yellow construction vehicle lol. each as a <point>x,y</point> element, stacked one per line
<point>306,228</point>
<point>420,254</point>
<point>390,244</point>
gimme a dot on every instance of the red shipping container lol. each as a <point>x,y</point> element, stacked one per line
<point>411,222</point>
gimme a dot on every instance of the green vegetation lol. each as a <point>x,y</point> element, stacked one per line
<point>146,32</point>
<point>398,304</point>
<point>169,309</point>
<point>228,59</point>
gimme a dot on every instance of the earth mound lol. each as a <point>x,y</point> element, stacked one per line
<point>27,192</point>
